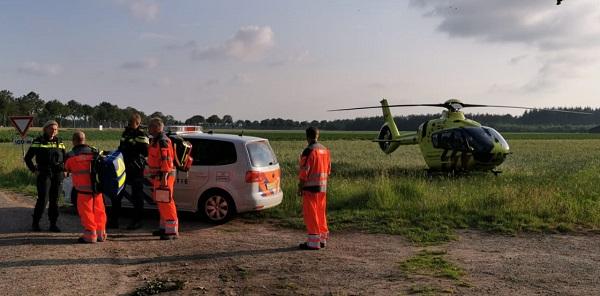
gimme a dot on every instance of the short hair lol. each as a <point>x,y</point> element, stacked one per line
<point>135,116</point>
<point>49,123</point>
<point>79,136</point>
<point>312,133</point>
<point>156,121</point>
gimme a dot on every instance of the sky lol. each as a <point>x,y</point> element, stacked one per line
<point>296,59</point>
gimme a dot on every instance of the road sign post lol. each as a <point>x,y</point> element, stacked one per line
<point>21,124</point>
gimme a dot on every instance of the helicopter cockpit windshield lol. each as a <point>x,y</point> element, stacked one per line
<point>482,139</point>
<point>497,137</point>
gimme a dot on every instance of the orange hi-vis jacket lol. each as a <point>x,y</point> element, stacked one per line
<point>160,156</point>
<point>315,167</point>
<point>79,162</point>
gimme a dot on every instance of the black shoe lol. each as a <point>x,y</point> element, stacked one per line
<point>159,232</point>
<point>112,225</point>
<point>304,246</point>
<point>54,228</point>
<point>168,237</point>
<point>323,245</point>
<point>81,240</point>
<point>36,227</point>
<point>134,225</point>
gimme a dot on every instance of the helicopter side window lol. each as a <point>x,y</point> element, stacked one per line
<point>450,139</point>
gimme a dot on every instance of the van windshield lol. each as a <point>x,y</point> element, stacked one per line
<point>261,154</point>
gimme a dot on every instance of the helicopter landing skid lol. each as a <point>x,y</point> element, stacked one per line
<point>456,173</point>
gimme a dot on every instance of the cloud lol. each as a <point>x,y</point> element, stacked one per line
<point>240,79</point>
<point>190,45</point>
<point>249,43</point>
<point>154,36</point>
<point>538,23</point>
<point>298,58</point>
<point>557,32</point>
<point>554,70</point>
<point>141,9</point>
<point>37,69</point>
<point>145,64</point>
<point>517,59</point>
<point>162,82</point>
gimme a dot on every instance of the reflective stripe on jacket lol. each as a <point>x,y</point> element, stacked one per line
<point>79,164</point>
<point>160,156</point>
<point>315,167</point>
<point>49,154</point>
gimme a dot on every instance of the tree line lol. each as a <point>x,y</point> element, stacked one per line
<point>76,114</point>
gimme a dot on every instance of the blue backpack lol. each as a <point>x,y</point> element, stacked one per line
<point>109,173</point>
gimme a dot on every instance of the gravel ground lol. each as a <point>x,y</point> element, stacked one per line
<point>246,257</point>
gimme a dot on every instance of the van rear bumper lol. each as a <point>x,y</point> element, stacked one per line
<point>256,202</point>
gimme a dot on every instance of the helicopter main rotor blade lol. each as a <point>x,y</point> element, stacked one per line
<point>526,108</point>
<point>401,105</point>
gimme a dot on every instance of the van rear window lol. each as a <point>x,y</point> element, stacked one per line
<point>261,154</point>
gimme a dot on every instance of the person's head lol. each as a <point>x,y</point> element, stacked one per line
<point>135,120</point>
<point>312,134</point>
<point>155,126</point>
<point>51,128</point>
<point>78,138</point>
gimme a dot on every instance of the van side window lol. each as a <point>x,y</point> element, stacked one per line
<point>213,152</point>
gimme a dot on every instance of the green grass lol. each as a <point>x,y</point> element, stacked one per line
<point>431,263</point>
<point>547,185</point>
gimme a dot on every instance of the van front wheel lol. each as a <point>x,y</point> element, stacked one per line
<point>216,207</point>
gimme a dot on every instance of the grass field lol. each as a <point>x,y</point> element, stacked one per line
<point>550,183</point>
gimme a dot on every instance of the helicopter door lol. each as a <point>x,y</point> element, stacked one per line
<point>455,150</point>
<point>453,139</point>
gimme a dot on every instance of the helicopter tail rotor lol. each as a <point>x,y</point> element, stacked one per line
<point>389,130</point>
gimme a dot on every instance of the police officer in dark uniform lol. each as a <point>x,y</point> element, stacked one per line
<point>134,146</point>
<point>49,153</point>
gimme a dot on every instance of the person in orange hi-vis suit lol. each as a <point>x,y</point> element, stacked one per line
<point>90,205</point>
<point>162,171</point>
<point>315,167</point>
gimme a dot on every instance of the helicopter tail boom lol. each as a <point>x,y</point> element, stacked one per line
<point>389,119</point>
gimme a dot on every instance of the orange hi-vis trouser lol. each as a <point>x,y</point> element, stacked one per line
<point>313,207</point>
<point>91,210</point>
<point>167,210</point>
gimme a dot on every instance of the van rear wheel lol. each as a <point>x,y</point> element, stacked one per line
<point>216,207</point>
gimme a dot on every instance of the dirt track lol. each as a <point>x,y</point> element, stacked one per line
<point>248,258</point>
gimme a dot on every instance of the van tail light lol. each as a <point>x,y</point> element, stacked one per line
<point>253,176</point>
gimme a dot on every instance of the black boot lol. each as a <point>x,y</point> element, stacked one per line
<point>35,226</point>
<point>53,227</point>
<point>135,224</point>
<point>112,224</point>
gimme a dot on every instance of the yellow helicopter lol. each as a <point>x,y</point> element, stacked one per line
<point>450,143</point>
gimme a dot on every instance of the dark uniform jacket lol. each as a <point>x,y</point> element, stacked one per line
<point>49,155</point>
<point>134,146</point>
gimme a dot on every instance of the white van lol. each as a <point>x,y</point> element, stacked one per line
<point>230,174</point>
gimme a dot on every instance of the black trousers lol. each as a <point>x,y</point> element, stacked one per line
<point>48,188</point>
<point>136,198</point>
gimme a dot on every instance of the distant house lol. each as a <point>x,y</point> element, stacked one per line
<point>595,130</point>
